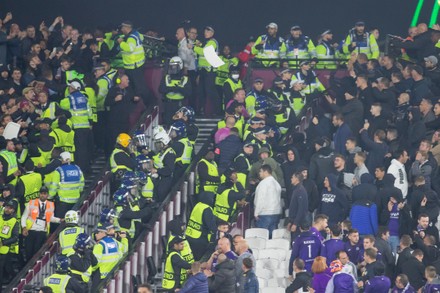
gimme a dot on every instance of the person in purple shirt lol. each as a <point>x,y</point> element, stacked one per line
<point>432,280</point>
<point>321,274</point>
<point>320,223</point>
<point>353,246</point>
<point>341,281</point>
<point>333,245</point>
<point>306,247</point>
<point>402,285</point>
<point>379,283</point>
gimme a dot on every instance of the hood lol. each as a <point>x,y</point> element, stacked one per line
<point>355,150</point>
<point>175,226</point>
<point>367,178</point>
<point>388,180</point>
<point>417,116</point>
<point>325,151</point>
<point>226,265</point>
<point>333,180</point>
<point>207,197</point>
<point>296,153</point>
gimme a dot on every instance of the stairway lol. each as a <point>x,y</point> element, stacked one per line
<point>205,125</point>
<point>98,164</point>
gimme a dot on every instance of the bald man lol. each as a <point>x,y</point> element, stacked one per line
<point>223,247</point>
<point>242,250</point>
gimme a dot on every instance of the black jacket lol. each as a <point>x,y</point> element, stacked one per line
<point>299,205</point>
<point>321,164</point>
<point>415,270</point>
<point>353,112</point>
<point>227,150</point>
<point>366,190</point>
<point>224,279</point>
<point>302,281</point>
<point>404,256</point>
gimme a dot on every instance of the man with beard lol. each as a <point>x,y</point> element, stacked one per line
<point>299,47</point>
<point>360,41</point>
<point>269,46</point>
<point>326,50</point>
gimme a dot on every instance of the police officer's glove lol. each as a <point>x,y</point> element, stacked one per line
<point>155,175</point>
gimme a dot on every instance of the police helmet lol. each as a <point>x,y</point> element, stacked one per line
<point>175,65</point>
<point>179,127</point>
<point>71,217</point>
<point>121,196</point>
<point>82,241</point>
<point>62,264</point>
<point>129,184</point>
<point>130,175</point>
<point>106,215</point>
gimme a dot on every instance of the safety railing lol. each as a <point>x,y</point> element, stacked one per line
<point>89,207</point>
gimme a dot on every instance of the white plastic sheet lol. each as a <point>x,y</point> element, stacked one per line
<point>212,57</point>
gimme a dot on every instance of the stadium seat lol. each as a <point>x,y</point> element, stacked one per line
<point>281,234</point>
<point>257,232</point>
<point>273,282</point>
<point>282,244</point>
<point>256,243</point>
<point>262,283</point>
<point>272,254</point>
<point>273,290</point>
<point>288,254</point>
<point>264,274</point>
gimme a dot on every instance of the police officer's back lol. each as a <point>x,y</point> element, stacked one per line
<point>175,266</point>
<point>61,281</point>
<point>182,147</point>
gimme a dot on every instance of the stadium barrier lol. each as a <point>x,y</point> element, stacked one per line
<point>89,207</point>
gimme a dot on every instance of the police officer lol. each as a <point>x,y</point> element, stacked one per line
<point>299,47</point>
<point>104,82</point>
<point>78,105</point>
<point>326,50</point>
<point>175,266</point>
<point>175,87</point>
<point>258,139</point>
<point>145,181</point>
<point>228,194</point>
<point>277,91</point>
<point>231,84</point>
<point>49,170</point>
<point>207,75</point>
<point>47,109</point>
<point>187,115</point>
<point>243,163</point>
<point>108,251</point>
<point>256,93</point>
<point>61,281</point>
<point>133,56</point>
<point>9,233</point>
<point>42,143</point>
<point>35,222</point>
<point>68,236</point>
<point>177,229</point>
<point>202,225</point>
<point>67,184</point>
<point>360,41</point>
<point>129,216</point>
<point>8,159</point>
<point>312,84</point>
<point>82,260</point>
<point>207,176</point>
<point>120,160</point>
<point>29,184</point>
<point>269,46</point>
<point>64,136</point>
<point>163,163</point>
<point>284,117</point>
<point>182,147</point>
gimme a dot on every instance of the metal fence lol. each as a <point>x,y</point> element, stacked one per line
<point>89,208</point>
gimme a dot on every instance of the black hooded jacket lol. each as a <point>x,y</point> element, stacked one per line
<point>366,190</point>
<point>334,202</point>
<point>416,130</point>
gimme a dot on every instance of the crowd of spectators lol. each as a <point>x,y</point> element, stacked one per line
<point>359,175</point>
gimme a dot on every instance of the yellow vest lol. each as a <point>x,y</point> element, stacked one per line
<point>186,252</point>
<point>212,171</point>
<point>195,223</point>
<point>175,96</point>
<point>168,281</point>
<point>158,158</point>
<point>114,167</point>
<point>222,209</point>
<point>32,183</point>
<point>57,282</point>
<point>67,239</point>
<point>11,158</point>
<point>6,228</point>
<point>133,54</point>
<point>186,156</point>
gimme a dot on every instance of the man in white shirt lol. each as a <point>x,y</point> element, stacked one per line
<point>185,51</point>
<point>35,222</point>
<point>397,169</point>
<point>267,202</point>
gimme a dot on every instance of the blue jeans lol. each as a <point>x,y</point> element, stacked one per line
<point>394,242</point>
<point>269,222</point>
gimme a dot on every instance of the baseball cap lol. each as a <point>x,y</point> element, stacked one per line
<point>431,59</point>
<point>258,79</point>
<point>209,28</point>
<point>44,189</point>
<point>278,80</point>
<point>127,23</point>
<point>305,62</point>
<point>272,25</point>
<point>263,150</point>
<point>66,156</point>
<point>76,85</point>
<point>13,204</point>
<point>296,81</point>
<point>260,130</point>
<point>327,32</point>
<point>176,240</point>
<point>285,70</point>
<point>360,23</point>
<point>295,28</point>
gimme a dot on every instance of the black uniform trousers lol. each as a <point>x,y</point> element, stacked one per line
<point>83,139</point>
<point>139,84</point>
<point>207,91</point>
<point>33,242</point>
